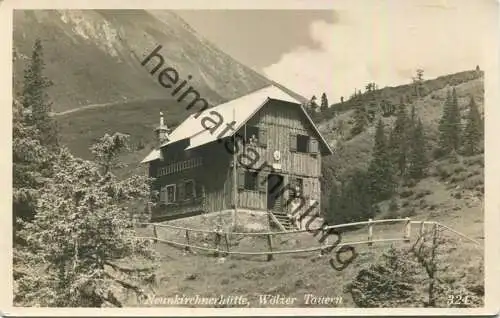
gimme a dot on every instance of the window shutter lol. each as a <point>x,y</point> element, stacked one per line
<point>313,145</point>
<point>241,180</point>
<point>163,194</point>
<point>263,137</point>
<point>181,191</point>
<point>262,182</point>
<point>293,142</point>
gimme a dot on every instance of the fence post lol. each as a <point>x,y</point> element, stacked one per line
<point>226,237</point>
<point>217,243</point>
<point>270,243</point>
<point>407,229</point>
<point>324,237</point>
<point>370,232</point>
<point>188,248</point>
<point>422,228</point>
<point>155,233</point>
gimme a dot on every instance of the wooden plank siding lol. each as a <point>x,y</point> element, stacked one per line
<point>279,121</point>
<point>209,178</point>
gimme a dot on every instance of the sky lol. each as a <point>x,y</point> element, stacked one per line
<point>353,43</point>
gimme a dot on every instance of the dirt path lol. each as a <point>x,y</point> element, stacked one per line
<point>69,111</point>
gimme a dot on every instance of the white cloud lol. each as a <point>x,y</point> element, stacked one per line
<point>385,42</point>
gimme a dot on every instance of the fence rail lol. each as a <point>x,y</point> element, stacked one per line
<point>219,235</point>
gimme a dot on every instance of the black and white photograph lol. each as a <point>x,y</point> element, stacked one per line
<point>284,158</point>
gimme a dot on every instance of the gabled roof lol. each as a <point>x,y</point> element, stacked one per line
<point>239,110</point>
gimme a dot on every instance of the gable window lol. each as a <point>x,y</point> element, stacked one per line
<point>303,144</point>
<point>251,134</point>
<point>248,180</point>
<point>255,136</point>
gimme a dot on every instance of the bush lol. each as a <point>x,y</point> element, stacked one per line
<point>405,193</point>
<point>388,283</point>
<point>393,205</point>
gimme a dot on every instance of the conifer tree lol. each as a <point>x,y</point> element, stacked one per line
<point>398,142</point>
<point>355,201</point>
<point>473,131</point>
<point>35,98</point>
<point>81,247</point>
<point>324,102</point>
<point>380,170</point>
<point>417,154</point>
<point>312,105</point>
<point>455,124</point>
<point>413,118</point>
<point>449,125</point>
<point>360,119</point>
<point>444,135</point>
<point>30,164</point>
<point>333,203</point>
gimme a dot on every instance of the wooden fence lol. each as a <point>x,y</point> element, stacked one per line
<point>220,236</point>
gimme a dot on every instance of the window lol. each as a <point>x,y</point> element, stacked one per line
<point>189,189</point>
<point>248,180</point>
<point>302,143</point>
<point>251,135</point>
<point>167,194</point>
<point>256,136</point>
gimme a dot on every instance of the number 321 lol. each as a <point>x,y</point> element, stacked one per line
<point>458,300</point>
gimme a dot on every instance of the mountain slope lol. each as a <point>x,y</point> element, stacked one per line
<point>93,56</point>
<point>357,149</point>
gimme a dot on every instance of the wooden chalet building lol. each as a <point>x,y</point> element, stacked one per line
<point>278,148</point>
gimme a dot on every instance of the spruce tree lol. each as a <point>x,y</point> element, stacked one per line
<point>360,119</point>
<point>36,100</point>
<point>324,102</point>
<point>449,125</point>
<point>355,201</point>
<point>473,131</point>
<point>380,170</point>
<point>455,124</point>
<point>413,118</point>
<point>332,214</point>
<point>31,165</point>
<point>398,143</point>
<point>82,247</point>
<point>312,105</point>
<point>417,154</point>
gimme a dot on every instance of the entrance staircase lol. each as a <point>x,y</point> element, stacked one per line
<point>281,220</point>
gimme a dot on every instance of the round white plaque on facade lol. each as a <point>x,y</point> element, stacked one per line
<point>277,155</point>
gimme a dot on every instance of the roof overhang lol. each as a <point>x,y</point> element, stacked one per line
<point>204,136</point>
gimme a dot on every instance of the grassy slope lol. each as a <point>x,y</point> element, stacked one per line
<point>299,274</point>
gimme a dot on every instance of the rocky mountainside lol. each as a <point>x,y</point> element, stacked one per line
<point>93,56</point>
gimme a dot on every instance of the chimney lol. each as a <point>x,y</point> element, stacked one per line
<point>162,132</point>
